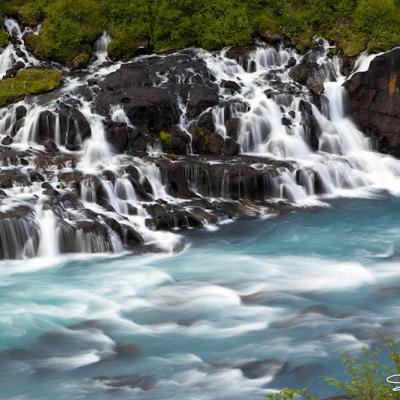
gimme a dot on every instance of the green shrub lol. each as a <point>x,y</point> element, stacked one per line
<point>221,23</point>
<point>291,394</point>
<point>367,374</point>
<point>70,27</point>
<point>28,81</point>
<point>30,13</point>
<point>166,138</point>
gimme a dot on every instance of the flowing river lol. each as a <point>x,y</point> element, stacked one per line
<point>257,305</point>
<point>226,311</point>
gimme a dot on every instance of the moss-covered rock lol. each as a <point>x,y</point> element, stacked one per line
<point>28,81</point>
<point>81,61</point>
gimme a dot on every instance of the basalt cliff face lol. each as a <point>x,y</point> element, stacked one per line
<point>123,155</point>
<point>375,101</point>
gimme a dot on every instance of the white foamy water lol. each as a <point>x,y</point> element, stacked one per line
<point>247,310</point>
<point>344,160</point>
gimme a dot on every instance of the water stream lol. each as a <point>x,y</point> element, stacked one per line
<point>253,307</point>
<point>225,312</point>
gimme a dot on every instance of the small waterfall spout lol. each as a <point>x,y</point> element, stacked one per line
<point>100,47</point>
<point>49,242</point>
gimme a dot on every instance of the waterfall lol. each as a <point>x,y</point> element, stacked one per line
<point>97,150</point>
<point>15,52</point>
<point>13,28</point>
<point>7,59</point>
<point>48,243</point>
<point>272,124</point>
<point>100,47</point>
<point>118,115</point>
<point>304,148</point>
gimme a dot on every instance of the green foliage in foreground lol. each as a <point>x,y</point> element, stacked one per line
<point>367,376</point>
<point>70,27</point>
<point>28,81</point>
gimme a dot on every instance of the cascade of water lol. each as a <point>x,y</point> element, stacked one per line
<point>118,115</point>
<point>271,122</point>
<point>15,53</point>
<point>18,238</point>
<point>100,47</point>
<point>13,28</point>
<point>97,151</point>
<point>7,59</point>
<point>269,106</point>
<point>28,132</point>
<point>48,243</point>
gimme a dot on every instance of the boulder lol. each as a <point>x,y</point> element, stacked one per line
<point>7,141</point>
<point>315,86</point>
<point>14,69</point>
<point>230,86</point>
<point>308,67</point>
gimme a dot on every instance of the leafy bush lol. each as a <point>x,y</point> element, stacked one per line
<point>166,138</point>
<point>367,375</point>
<point>70,27</point>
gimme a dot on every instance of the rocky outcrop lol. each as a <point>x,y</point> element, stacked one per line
<point>153,90</point>
<point>375,101</point>
<point>67,122</point>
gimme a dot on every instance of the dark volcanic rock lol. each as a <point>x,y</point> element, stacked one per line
<point>14,69</point>
<point>375,101</point>
<point>153,89</point>
<point>242,55</point>
<point>310,124</point>
<point>243,177</point>
<point>73,126</point>
<point>230,85</point>
<point>308,67</point>
<point>7,141</point>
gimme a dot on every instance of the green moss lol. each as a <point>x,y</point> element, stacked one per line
<point>81,60</point>
<point>205,137</point>
<point>28,81</point>
<point>3,38</point>
<point>166,138</point>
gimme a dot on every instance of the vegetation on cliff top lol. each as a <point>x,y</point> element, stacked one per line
<point>69,27</point>
<point>28,81</point>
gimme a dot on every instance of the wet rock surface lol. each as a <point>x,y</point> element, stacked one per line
<point>173,141</point>
<point>375,101</point>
